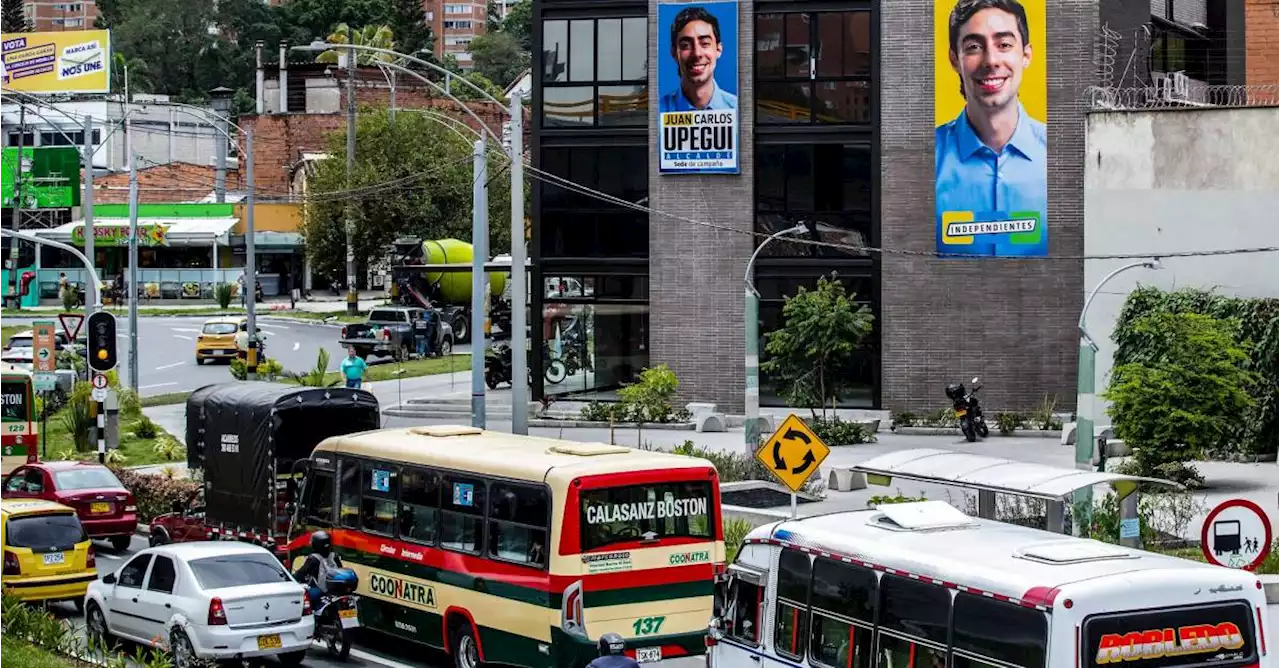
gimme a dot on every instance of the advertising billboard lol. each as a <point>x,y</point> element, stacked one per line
<point>149,235</point>
<point>698,88</point>
<point>76,61</point>
<point>990,109</point>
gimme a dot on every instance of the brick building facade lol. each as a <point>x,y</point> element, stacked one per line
<point>171,182</point>
<point>1261,43</point>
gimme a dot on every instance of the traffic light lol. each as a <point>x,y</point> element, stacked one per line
<point>102,341</point>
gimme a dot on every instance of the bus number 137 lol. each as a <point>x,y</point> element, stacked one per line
<point>646,626</point>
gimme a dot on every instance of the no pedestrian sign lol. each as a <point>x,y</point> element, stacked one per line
<point>1237,534</point>
<point>793,453</point>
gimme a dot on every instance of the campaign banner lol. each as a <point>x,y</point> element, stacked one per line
<point>75,61</point>
<point>698,87</point>
<point>991,148</point>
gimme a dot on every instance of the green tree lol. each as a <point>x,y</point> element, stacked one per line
<point>812,356</point>
<point>409,24</point>
<point>499,58</point>
<point>411,178</point>
<point>308,20</point>
<point>14,18</point>
<point>1178,400</point>
<point>376,36</point>
<point>519,24</point>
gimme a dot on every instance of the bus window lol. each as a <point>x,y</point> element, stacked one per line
<point>518,519</point>
<point>793,592</point>
<point>378,498</point>
<point>646,512</point>
<point>841,593</point>
<point>318,505</point>
<point>462,517</point>
<point>419,505</point>
<point>912,612</point>
<point>1209,635</point>
<point>349,494</point>
<point>988,629</point>
<point>744,610</point>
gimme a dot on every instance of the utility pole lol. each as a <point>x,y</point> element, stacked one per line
<point>86,205</point>
<point>15,299</point>
<point>479,253</point>
<point>250,259</point>
<point>353,297</point>
<point>132,291</point>
<point>222,108</point>
<point>519,292</point>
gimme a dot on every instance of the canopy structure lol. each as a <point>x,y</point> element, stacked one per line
<point>994,475</point>
<point>178,231</point>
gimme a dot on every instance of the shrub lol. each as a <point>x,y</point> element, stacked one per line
<point>603,411</point>
<point>1008,423</point>
<point>315,376</point>
<point>155,493</point>
<point>735,532</point>
<point>77,416</point>
<point>130,403</point>
<point>834,431</point>
<point>737,466</point>
<point>1042,418</point>
<point>223,293</point>
<point>649,399</point>
<point>169,449</point>
<point>884,499</point>
<point>69,299</point>
<point>902,419</point>
<point>268,369</point>
<point>144,428</point>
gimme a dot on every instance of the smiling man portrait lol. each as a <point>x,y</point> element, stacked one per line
<point>696,46</point>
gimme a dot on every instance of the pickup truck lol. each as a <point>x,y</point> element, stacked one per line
<point>389,332</point>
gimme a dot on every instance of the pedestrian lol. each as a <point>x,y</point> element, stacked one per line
<point>353,369</point>
<point>240,282</point>
<point>242,341</point>
<point>63,286</point>
<point>420,334</point>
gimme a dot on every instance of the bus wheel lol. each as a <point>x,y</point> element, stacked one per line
<point>466,654</point>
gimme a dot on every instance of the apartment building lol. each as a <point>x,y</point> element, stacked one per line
<point>59,15</point>
<point>455,24</point>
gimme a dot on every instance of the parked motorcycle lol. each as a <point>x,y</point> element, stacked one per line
<point>968,412</point>
<point>497,366</point>
<point>337,616</point>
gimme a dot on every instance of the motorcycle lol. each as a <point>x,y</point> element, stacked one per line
<point>497,366</point>
<point>968,412</point>
<point>337,616</point>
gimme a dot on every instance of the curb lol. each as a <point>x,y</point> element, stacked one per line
<point>583,424</point>
<point>954,431</point>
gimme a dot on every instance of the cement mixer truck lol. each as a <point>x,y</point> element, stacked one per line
<point>418,280</point>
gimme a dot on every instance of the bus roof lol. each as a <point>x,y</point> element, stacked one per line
<point>1008,560</point>
<point>14,370</point>
<point>501,454</point>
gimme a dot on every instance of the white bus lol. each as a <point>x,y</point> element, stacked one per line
<point>922,585</point>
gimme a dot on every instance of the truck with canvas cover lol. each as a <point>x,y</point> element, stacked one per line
<point>245,437</point>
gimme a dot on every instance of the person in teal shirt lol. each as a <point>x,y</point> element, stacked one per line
<point>353,369</point>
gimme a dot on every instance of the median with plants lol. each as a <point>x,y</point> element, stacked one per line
<point>67,429</point>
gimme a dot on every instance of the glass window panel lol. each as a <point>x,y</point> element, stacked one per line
<point>799,166</point>
<point>611,340</point>
<point>419,504</point>
<point>635,49</point>
<point>769,46</point>
<point>349,494</point>
<point>843,102</point>
<point>857,43</point>
<point>855,178</point>
<point>797,46</point>
<point>789,630</point>
<point>914,607</point>
<point>782,103</point>
<point>839,644</point>
<point>610,54</point>
<point>793,576</point>
<point>555,50</point>
<point>460,532</point>
<point>568,107</point>
<point>828,47</point>
<point>899,653</point>
<point>519,503</point>
<point>771,178</point>
<point>844,588</point>
<point>1000,630</point>
<point>582,50</point>
<point>624,106</point>
<point>512,542</point>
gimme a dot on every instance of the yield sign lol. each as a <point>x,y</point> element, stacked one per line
<point>793,453</point>
<point>71,323</point>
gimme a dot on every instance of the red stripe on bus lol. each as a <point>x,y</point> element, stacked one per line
<point>853,648</point>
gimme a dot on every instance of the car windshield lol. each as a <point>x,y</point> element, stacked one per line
<point>238,570</point>
<point>219,328</point>
<point>386,316</point>
<point>20,342</point>
<point>45,532</point>
<point>87,477</point>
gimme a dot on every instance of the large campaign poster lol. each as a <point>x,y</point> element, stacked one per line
<point>76,61</point>
<point>698,88</point>
<point>990,109</point>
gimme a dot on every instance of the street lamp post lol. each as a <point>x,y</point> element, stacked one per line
<point>221,99</point>
<point>751,425</point>
<point>1085,388</point>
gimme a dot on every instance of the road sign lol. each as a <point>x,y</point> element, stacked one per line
<point>44,354</point>
<point>1236,534</point>
<point>45,382</point>
<point>793,452</point>
<point>71,323</point>
<point>99,381</point>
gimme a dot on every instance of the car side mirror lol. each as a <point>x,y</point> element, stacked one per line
<point>109,578</point>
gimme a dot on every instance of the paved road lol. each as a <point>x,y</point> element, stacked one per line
<point>372,651</point>
<point>166,350</point>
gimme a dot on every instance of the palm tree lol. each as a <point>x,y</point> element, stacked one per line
<point>129,75</point>
<point>316,376</point>
<point>376,36</point>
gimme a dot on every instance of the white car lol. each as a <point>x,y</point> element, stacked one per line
<point>209,600</point>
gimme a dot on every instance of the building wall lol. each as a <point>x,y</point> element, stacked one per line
<point>1179,180</point>
<point>270,218</point>
<point>173,182</point>
<point>1261,43</point>
<point>60,15</point>
<point>1008,321</point>
<point>280,139</point>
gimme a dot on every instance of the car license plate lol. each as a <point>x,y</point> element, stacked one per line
<point>51,558</point>
<point>269,642</point>
<point>350,618</point>
<point>99,508</point>
<point>648,654</point>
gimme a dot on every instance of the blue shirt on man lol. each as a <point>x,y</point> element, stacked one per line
<point>972,177</point>
<point>676,101</point>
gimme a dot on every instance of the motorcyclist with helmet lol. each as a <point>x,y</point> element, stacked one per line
<point>611,647</point>
<point>315,568</point>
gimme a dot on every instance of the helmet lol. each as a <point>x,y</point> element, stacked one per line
<point>321,543</point>
<point>955,391</point>
<point>611,644</point>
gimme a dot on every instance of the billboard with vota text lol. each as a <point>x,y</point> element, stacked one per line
<point>76,61</point>
<point>698,88</point>
<point>990,145</point>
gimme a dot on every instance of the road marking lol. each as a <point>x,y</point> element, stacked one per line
<point>169,366</point>
<point>272,326</point>
<point>296,345</point>
<point>147,387</point>
<point>179,336</point>
<point>183,329</point>
<point>366,656</point>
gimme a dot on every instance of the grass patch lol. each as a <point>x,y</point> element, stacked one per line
<point>412,368</point>
<point>10,330</point>
<point>166,399</point>
<point>339,317</point>
<point>164,448</point>
<point>23,653</point>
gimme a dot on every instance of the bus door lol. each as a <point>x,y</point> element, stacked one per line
<point>736,627</point>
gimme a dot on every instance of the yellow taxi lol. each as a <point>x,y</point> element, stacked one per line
<point>217,339</point>
<point>47,554</point>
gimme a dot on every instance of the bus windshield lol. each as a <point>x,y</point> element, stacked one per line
<point>1221,635</point>
<point>646,512</point>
